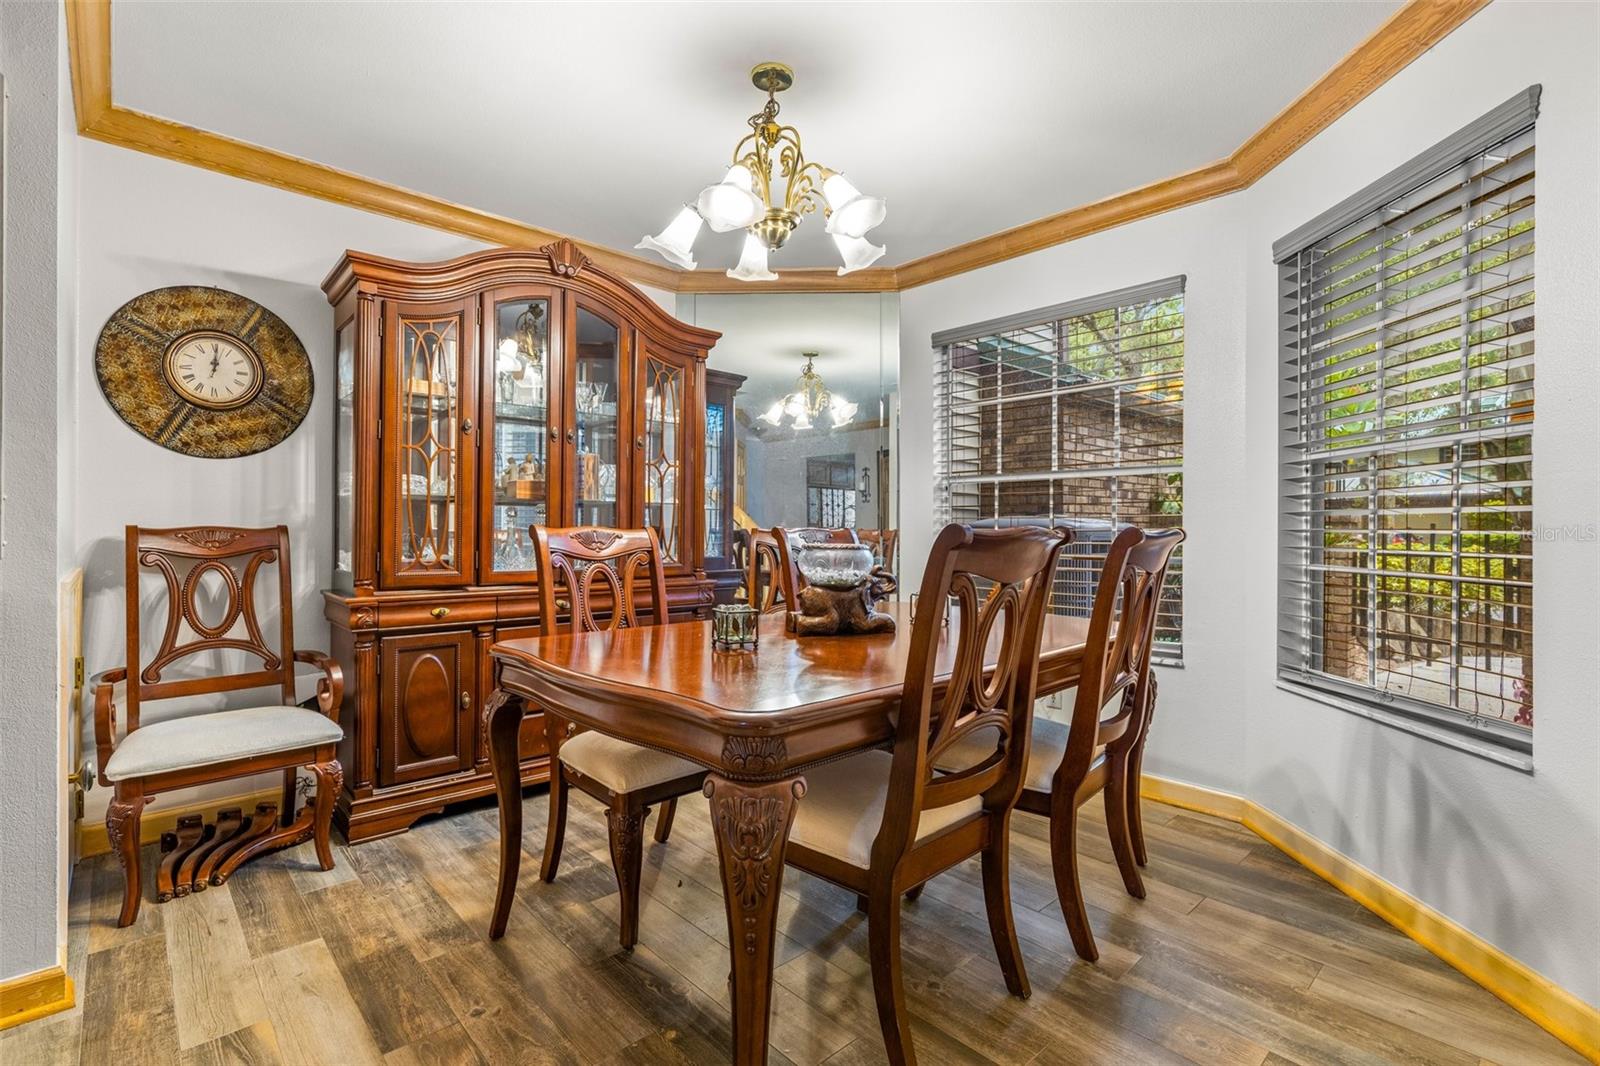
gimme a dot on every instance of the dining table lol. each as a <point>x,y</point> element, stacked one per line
<point>757,719</point>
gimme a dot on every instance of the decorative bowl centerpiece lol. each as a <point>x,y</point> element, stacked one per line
<point>842,587</point>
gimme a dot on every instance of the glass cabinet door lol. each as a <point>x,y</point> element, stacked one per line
<point>664,401</point>
<point>522,480</point>
<point>594,435</point>
<point>427,445</point>
<point>344,451</point>
<point>719,438</point>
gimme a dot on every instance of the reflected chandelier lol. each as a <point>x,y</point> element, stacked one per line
<point>809,401</point>
<point>743,199</point>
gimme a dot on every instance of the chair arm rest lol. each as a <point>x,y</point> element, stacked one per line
<point>330,689</point>
<point>105,716</point>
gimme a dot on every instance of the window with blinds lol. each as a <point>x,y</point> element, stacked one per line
<point>1406,529</point>
<point>1070,416</point>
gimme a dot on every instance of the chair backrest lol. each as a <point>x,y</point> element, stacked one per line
<point>1116,658</point>
<point>184,557</point>
<point>764,561</point>
<point>1018,566</point>
<point>589,560</point>
<point>883,543</point>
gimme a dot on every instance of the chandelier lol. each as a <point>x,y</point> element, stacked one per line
<point>745,197</point>
<point>809,401</point>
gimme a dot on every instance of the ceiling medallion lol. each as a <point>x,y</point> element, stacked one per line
<point>743,199</point>
<point>809,402</point>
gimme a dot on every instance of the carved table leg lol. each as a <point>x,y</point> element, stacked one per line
<point>751,822</point>
<point>504,716</point>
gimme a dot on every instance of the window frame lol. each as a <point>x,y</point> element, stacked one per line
<point>1303,464</point>
<point>1074,594</point>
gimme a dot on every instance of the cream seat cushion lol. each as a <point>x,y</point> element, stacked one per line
<point>843,808</point>
<point>221,736</point>
<point>1044,754</point>
<point>621,766</point>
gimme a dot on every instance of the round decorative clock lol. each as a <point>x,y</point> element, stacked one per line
<point>204,371</point>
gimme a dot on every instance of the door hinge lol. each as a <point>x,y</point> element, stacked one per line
<point>77,673</point>
<point>380,429</point>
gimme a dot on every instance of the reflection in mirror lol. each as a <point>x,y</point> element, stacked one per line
<point>814,419</point>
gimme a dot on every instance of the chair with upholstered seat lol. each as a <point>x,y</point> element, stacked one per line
<point>882,823</point>
<point>588,576</point>
<point>211,574</point>
<point>1068,764</point>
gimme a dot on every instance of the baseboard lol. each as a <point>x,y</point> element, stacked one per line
<point>1545,1003</point>
<point>34,995</point>
<point>92,839</point>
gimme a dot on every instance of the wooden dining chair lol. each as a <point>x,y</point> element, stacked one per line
<point>883,543</point>
<point>763,580</point>
<point>882,823</point>
<point>588,575</point>
<point>210,575</point>
<point>1069,763</point>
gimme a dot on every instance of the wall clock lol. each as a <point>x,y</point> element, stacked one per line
<point>204,371</point>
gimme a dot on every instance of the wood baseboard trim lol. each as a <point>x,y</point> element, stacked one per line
<point>1413,29</point>
<point>92,839</point>
<point>1545,1003</point>
<point>35,995</point>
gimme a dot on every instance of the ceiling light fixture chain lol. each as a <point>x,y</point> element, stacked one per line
<point>744,199</point>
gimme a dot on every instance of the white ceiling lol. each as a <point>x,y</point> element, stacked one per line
<point>598,119</point>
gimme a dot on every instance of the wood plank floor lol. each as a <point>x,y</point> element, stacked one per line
<point>1238,956</point>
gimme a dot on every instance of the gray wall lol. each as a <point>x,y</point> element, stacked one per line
<point>32,854</point>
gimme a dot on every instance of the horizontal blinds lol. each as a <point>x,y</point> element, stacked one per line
<point>1070,415</point>
<point>1405,534</point>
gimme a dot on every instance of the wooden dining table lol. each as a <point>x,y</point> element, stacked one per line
<point>756,719</point>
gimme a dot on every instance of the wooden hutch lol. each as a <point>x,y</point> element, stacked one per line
<point>476,398</point>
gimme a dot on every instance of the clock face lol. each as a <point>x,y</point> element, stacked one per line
<point>213,370</point>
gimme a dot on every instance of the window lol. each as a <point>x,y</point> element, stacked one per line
<point>1070,415</point>
<point>1406,539</point>
<point>831,491</point>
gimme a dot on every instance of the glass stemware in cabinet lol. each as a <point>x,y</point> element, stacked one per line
<point>595,405</point>
<point>521,430</point>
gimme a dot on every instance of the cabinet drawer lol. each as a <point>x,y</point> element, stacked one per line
<point>411,614</point>
<point>426,709</point>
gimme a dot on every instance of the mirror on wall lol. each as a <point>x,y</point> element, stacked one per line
<point>816,417</point>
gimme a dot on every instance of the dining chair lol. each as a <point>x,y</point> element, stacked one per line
<point>596,570</point>
<point>764,561</point>
<point>883,543</point>
<point>1069,763</point>
<point>881,823</point>
<point>210,576</point>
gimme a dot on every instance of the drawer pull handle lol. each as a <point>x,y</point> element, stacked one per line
<point>440,612</point>
<point>466,701</point>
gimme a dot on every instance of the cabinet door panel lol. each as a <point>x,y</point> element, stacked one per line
<point>668,424</point>
<point>596,415</point>
<point>428,444</point>
<point>426,707</point>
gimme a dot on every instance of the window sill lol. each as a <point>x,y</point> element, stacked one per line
<point>1516,760</point>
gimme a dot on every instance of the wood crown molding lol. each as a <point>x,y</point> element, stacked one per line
<point>1408,33</point>
<point>34,995</point>
<point>1545,1003</point>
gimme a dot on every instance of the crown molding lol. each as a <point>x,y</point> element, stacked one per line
<point>1408,33</point>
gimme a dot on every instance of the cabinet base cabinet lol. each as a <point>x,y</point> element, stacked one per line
<point>387,812</point>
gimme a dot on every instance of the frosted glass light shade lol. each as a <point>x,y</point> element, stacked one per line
<point>841,410</point>
<point>731,203</point>
<point>849,213</point>
<point>857,252</point>
<point>774,414</point>
<point>507,359</point>
<point>675,243</point>
<point>753,261</point>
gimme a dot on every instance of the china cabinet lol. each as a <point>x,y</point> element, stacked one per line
<point>477,398</point>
